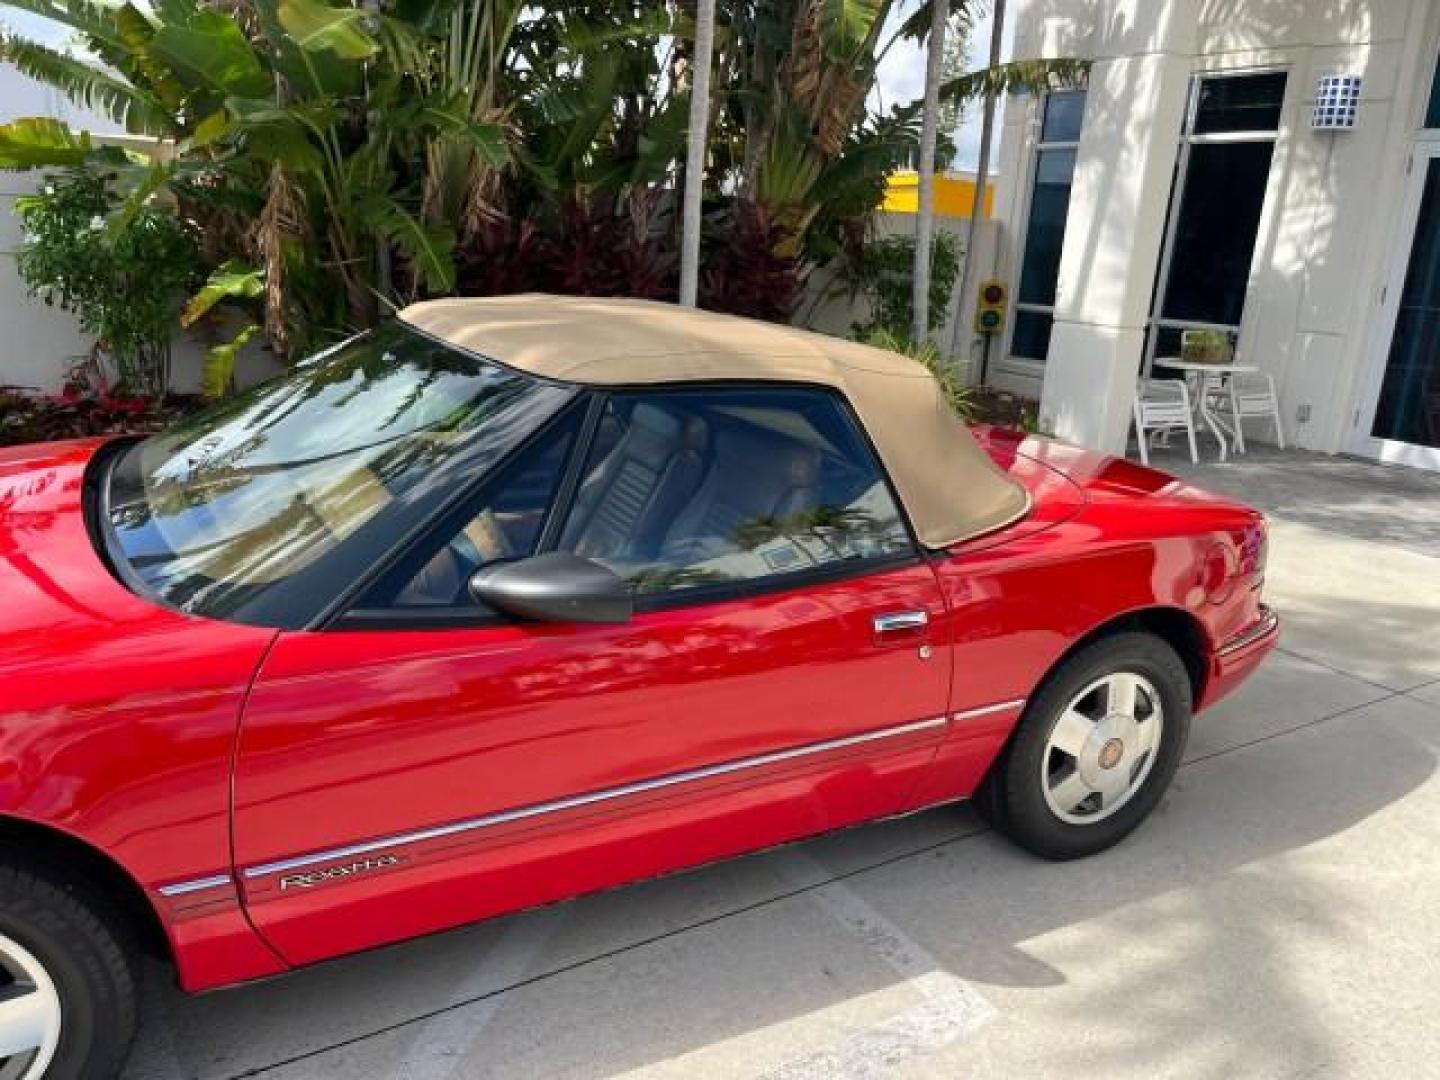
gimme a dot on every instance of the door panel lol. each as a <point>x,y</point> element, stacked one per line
<point>438,768</point>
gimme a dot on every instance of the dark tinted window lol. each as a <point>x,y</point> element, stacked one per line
<point>1219,219</point>
<point>1031,338</point>
<point>1064,115</point>
<point>1045,233</point>
<point>687,489</point>
<point>257,509</point>
<point>1240,103</point>
<point>503,522</point>
<point>1409,405</point>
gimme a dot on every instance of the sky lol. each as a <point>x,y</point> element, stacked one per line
<point>34,26</point>
<point>901,76</point>
<point>23,97</point>
<point>902,79</point>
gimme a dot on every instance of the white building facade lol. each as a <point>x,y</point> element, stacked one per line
<point>1194,185</point>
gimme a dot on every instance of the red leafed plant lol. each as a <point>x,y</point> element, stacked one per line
<point>501,257</point>
<point>647,262</point>
<point>745,270</point>
<point>583,247</point>
<point>596,246</point>
<point>86,405</point>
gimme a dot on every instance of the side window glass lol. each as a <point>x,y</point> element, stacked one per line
<point>503,523</point>
<point>693,488</point>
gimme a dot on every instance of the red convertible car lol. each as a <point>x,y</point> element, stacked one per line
<point>510,600</point>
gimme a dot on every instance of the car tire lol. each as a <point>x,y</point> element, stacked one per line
<point>71,958</point>
<point>1063,791</point>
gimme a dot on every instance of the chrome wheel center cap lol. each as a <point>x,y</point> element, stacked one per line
<point>1111,753</point>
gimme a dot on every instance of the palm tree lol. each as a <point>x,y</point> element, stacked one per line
<point>925,212</point>
<point>696,142</point>
<point>792,130</point>
<point>982,173</point>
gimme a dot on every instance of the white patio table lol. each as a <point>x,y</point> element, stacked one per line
<point>1199,375</point>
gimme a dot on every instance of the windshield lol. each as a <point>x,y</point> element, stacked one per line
<point>277,499</point>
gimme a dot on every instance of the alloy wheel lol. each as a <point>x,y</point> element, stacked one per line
<point>29,1014</point>
<point>1102,748</point>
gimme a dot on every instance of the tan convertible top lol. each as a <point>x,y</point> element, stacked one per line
<point>951,488</point>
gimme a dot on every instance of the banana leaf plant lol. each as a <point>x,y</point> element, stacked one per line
<point>302,136</point>
<point>799,132</point>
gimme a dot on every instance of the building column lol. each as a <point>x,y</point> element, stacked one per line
<point>1128,146</point>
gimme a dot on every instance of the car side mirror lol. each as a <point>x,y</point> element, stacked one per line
<point>554,587</point>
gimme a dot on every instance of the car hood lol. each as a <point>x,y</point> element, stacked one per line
<point>62,612</point>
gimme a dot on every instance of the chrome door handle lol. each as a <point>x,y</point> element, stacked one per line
<point>896,621</point>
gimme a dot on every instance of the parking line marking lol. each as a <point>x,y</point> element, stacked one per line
<point>951,1009</point>
<point>873,1053</point>
<point>439,1047</point>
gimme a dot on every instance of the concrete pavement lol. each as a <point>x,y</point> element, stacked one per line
<point>1279,915</point>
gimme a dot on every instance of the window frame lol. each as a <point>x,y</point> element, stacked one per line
<point>1027,365</point>
<point>1430,103</point>
<point>1156,321</point>
<point>351,616</point>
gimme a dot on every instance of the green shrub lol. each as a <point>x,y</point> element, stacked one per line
<point>885,276</point>
<point>951,385</point>
<point>122,271</point>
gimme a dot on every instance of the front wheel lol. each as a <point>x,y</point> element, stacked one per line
<point>1095,750</point>
<point>67,985</point>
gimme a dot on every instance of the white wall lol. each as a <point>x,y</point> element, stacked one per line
<point>1329,223</point>
<point>37,344</point>
<point>836,312</point>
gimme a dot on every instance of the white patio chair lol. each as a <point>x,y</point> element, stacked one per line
<point>1246,395</point>
<point>1163,406</point>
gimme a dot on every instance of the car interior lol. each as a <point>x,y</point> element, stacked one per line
<point>689,489</point>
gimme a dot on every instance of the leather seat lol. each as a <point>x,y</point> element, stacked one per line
<point>625,507</point>
<point>753,477</point>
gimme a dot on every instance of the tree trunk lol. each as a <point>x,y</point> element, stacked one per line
<point>925,211</point>
<point>695,151</point>
<point>982,178</point>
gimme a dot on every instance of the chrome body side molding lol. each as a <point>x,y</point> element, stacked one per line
<point>987,710</point>
<point>184,888</point>
<point>367,847</point>
<point>1262,627</point>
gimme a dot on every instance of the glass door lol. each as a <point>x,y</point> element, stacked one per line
<point>1404,398</point>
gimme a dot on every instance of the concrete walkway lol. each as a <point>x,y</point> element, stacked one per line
<point>1279,916</point>
<point>1389,504</point>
